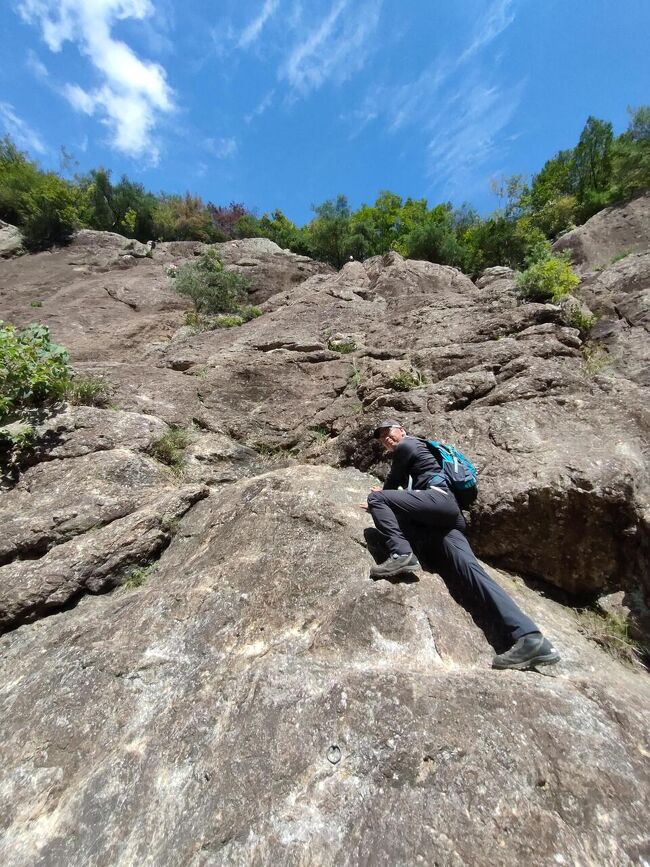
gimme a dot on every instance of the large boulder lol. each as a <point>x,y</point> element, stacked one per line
<point>11,240</point>
<point>258,703</point>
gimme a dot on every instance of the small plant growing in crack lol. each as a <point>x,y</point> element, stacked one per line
<point>169,449</point>
<point>611,632</point>
<point>344,345</point>
<point>138,577</point>
<point>407,379</point>
<point>595,359</point>
<point>320,432</point>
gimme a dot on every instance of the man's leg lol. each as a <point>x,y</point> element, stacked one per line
<point>391,510</point>
<point>430,508</point>
<point>531,648</point>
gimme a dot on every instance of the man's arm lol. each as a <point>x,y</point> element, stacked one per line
<point>398,475</point>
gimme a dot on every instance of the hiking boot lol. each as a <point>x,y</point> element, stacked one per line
<point>395,565</point>
<point>530,650</point>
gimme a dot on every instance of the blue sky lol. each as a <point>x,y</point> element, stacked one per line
<point>285,103</point>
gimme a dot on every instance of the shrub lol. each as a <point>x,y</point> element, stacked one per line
<point>596,359</point>
<point>33,370</point>
<point>405,380</point>
<point>223,320</point>
<point>548,280</point>
<point>49,213</point>
<point>212,289</point>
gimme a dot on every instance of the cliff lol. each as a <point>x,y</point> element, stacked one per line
<point>196,667</point>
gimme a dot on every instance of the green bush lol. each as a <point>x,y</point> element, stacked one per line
<point>49,213</point>
<point>33,370</point>
<point>548,280</point>
<point>405,380</point>
<point>211,288</point>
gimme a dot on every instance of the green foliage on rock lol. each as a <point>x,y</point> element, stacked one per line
<point>33,370</point>
<point>548,280</point>
<point>407,379</point>
<point>42,204</point>
<point>170,448</point>
<point>212,288</point>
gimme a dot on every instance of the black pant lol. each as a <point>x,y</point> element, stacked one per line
<point>435,509</point>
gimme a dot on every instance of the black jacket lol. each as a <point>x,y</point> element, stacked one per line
<point>413,458</point>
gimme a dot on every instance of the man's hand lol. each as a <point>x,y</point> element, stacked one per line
<point>364,506</point>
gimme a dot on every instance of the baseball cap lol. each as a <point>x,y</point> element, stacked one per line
<point>390,422</point>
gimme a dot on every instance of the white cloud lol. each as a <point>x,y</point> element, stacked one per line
<point>133,93</point>
<point>334,49</point>
<point>223,148</point>
<point>20,131</point>
<point>252,31</point>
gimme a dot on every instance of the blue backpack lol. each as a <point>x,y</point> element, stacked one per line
<point>457,470</point>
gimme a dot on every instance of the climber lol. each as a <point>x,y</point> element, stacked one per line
<point>434,507</point>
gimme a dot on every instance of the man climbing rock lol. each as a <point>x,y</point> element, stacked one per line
<point>395,509</point>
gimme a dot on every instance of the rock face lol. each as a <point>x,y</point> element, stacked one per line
<point>196,668</point>
<point>259,700</point>
<point>613,232</point>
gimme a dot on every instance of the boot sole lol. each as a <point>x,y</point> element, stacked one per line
<point>400,571</point>
<point>544,659</point>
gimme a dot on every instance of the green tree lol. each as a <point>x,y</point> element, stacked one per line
<point>434,238</point>
<point>98,200</point>
<point>133,208</point>
<point>631,156</point>
<point>329,231</point>
<point>500,241</point>
<point>18,176</point>
<point>283,232</point>
<point>183,218</point>
<point>50,211</point>
<point>592,166</point>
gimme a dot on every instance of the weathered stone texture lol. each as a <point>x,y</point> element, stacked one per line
<point>259,700</point>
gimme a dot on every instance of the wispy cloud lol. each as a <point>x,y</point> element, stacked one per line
<point>223,148</point>
<point>498,17</point>
<point>263,105</point>
<point>453,104</point>
<point>467,132</point>
<point>36,66</point>
<point>334,49</point>
<point>20,131</point>
<point>133,93</point>
<point>252,31</point>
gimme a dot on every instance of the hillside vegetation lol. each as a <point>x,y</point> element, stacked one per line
<point>572,186</point>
